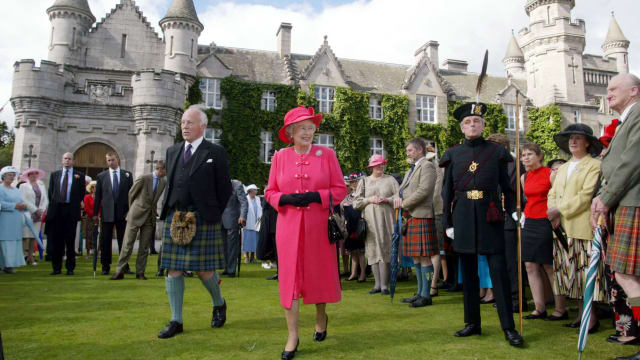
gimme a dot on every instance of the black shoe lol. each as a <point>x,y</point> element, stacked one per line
<point>632,357</point>
<point>421,302</point>
<point>224,273</point>
<point>564,316</point>
<point>614,340</point>
<point>363,280</point>
<point>317,337</point>
<point>594,329</point>
<point>492,301</point>
<point>117,276</point>
<point>470,329</point>
<point>374,291</point>
<point>231,275</point>
<point>106,270</point>
<point>385,292</point>
<point>171,330</point>
<point>160,273</point>
<point>444,286</point>
<point>516,307</point>
<point>56,272</point>
<point>573,325</point>
<point>219,315</point>
<point>273,277</point>
<point>513,337</point>
<point>128,271</point>
<point>455,288</point>
<point>613,336</point>
<point>153,252</point>
<point>69,272</point>
<point>288,355</point>
<point>542,315</point>
<point>410,299</point>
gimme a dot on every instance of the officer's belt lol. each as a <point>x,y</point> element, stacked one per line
<point>473,194</point>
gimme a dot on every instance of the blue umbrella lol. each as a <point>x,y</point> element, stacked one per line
<point>29,223</point>
<point>590,285</point>
<point>395,243</point>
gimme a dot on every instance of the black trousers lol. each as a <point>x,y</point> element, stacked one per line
<point>231,241</point>
<point>501,289</point>
<point>106,238</point>
<point>511,255</point>
<point>62,236</point>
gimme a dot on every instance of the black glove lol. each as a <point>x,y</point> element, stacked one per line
<point>312,197</point>
<point>292,199</point>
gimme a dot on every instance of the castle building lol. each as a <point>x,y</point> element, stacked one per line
<point>117,85</point>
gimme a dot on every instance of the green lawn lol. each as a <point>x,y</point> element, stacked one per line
<point>82,317</point>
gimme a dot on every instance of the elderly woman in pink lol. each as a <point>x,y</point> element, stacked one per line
<point>302,180</point>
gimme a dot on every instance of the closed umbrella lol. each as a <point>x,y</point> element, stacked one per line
<point>395,243</point>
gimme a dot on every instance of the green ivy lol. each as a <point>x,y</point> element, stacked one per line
<point>495,120</point>
<point>543,124</point>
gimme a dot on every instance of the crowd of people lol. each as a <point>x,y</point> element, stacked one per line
<point>459,214</point>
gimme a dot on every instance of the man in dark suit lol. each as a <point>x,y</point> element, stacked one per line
<point>233,217</point>
<point>66,192</point>
<point>198,184</point>
<point>141,219</point>
<point>112,203</point>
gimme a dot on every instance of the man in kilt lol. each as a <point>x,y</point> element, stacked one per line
<point>198,183</point>
<point>620,191</point>
<point>416,198</point>
<point>474,181</point>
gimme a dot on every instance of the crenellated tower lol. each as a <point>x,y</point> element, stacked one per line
<point>616,46</point>
<point>70,24</point>
<point>181,29</point>
<point>514,60</point>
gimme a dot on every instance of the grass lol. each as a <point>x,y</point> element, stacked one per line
<point>82,317</point>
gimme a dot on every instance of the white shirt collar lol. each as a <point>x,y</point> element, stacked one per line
<point>117,170</point>
<point>194,145</point>
<point>418,161</point>
<point>625,113</point>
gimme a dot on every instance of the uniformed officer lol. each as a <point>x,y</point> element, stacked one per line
<point>474,171</point>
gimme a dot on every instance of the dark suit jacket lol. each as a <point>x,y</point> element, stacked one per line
<point>112,210</point>
<point>75,198</point>
<point>237,206</point>
<point>209,179</point>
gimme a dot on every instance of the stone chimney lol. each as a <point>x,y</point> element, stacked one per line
<point>431,50</point>
<point>284,39</point>
<point>456,65</point>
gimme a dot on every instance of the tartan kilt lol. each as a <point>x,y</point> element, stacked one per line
<point>421,238</point>
<point>204,253</point>
<point>623,251</point>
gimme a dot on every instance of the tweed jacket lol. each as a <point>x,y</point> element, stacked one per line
<point>572,197</point>
<point>417,190</point>
<point>143,204</point>
<point>621,164</point>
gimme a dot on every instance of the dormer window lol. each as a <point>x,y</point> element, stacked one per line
<point>426,109</point>
<point>324,96</point>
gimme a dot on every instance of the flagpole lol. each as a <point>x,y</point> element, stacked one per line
<point>518,207</point>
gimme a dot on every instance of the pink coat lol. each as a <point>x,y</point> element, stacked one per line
<point>307,263</point>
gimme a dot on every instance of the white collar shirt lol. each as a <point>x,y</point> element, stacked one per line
<point>117,172</point>
<point>194,145</point>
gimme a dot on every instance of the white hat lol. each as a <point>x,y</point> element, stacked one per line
<point>251,187</point>
<point>9,169</point>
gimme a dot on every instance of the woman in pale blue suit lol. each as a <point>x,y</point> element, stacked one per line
<point>11,213</point>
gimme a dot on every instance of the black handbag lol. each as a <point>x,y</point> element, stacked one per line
<point>362,227</point>
<point>335,233</point>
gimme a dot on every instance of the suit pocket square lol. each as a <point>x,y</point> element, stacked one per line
<point>210,161</point>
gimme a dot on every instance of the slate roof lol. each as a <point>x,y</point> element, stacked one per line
<point>597,62</point>
<point>615,33</point>
<point>465,83</point>
<point>513,49</point>
<point>182,9</point>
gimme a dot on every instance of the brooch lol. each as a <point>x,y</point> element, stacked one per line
<point>76,176</point>
<point>126,174</point>
<point>473,167</point>
<point>319,152</point>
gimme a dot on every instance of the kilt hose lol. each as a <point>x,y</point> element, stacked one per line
<point>204,253</point>
<point>421,238</point>
<point>623,250</point>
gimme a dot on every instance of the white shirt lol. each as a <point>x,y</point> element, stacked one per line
<point>117,171</point>
<point>625,113</point>
<point>572,167</point>
<point>194,145</point>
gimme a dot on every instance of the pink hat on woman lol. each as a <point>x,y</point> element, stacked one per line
<point>25,174</point>
<point>295,115</point>
<point>376,160</point>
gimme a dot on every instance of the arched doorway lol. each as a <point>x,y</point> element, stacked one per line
<point>90,158</point>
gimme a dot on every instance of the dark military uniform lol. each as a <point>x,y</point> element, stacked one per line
<point>475,180</point>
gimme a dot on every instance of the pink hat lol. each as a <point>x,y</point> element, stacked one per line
<point>25,174</point>
<point>295,115</point>
<point>376,160</point>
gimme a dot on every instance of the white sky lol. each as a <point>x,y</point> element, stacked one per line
<point>376,30</point>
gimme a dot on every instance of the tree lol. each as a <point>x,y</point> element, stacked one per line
<point>543,124</point>
<point>7,138</point>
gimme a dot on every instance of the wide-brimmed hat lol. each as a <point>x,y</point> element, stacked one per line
<point>91,183</point>
<point>375,160</point>
<point>9,169</point>
<point>609,131</point>
<point>25,174</point>
<point>554,161</point>
<point>295,115</point>
<point>251,187</point>
<point>562,138</point>
<point>470,109</point>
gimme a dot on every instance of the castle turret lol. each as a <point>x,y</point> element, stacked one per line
<point>181,29</point>
<point>616,46</point>
<point>70,23</point>
<point>514,59</point>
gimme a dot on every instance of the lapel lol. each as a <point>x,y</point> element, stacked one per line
<point>161,184</point>
<point>148,186</point>
<point>173,160</point>
<point>405,183</point>
<point>576,172</point>
<point>199,156</point>
<point>109,186</point>
<point>121,180</point>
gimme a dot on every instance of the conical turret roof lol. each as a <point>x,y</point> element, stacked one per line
<point>513,50</point>
<point>615,33</point>
<point>182,9</point>
<point>77,5</point>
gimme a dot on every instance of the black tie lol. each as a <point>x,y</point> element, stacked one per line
<point>187,154</point>
<point>65,185</point>
<point>115,186</point>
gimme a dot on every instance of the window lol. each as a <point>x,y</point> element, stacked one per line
<point>211,93</point>
<point>123,45</point>
<point>267,145</point>
<point>376,145</point>
<point>171,46</point>
<point>426,108</point>
<point>375,108</point>
<point>213,135</point>
<point>576,116</point>
<point>324,140</point>
<point>324,95</point>
<point>510,110</point>
<point>73,39</point>
<point>268,101</point>
<point>51,40</point>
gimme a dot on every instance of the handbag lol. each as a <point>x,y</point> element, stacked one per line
<point>362,227</point>
<point>334,231</point>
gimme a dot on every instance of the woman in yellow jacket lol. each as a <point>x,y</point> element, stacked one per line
<point>569,206</point>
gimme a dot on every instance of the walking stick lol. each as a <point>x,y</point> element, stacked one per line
<point>518,208</point>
